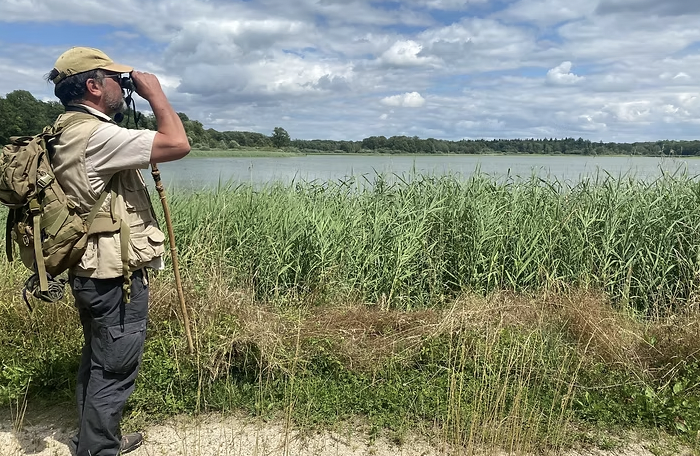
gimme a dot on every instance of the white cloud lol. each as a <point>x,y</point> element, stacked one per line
<point>405,54</point>
<point>679,77</point>
<point>220,41</point>
<point>618,38</point>
<point>665,8</point>
<point>562,75</point>
<point>476,44</point>
<point>636,111</point>
<point>546,12</point>
<point>407,100</point>
<point>449,5</point>
<point>591,124</point>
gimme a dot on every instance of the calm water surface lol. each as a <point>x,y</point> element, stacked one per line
<point>200,173</point>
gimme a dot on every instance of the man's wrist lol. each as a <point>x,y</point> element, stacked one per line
<point>157,98</point>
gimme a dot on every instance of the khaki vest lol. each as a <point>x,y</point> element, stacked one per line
<point>128,204</point>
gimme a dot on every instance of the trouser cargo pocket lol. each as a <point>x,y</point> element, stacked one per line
<point>123,345</point>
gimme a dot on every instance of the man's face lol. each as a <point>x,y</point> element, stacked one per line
<point>113,96</point>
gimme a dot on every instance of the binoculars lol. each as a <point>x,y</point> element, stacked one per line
<point>127,83</point>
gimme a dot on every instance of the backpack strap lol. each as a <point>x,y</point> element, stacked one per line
<point>79,116</point>
<point>124,233</point>
<point>111,223</point>
<point>35,211</point>
<point>8,234</point>
<point>96,208</point>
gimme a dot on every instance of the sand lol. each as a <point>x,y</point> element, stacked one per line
<point>46,433</point>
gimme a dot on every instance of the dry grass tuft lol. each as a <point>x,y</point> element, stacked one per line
<point>231,326</point>
<point>671,341</point>
<point>599,330</point>
<point>586,318</point>
<point>365,338</point>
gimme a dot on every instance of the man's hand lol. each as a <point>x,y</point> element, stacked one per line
<point>170,142</point>
<point>147,85</point>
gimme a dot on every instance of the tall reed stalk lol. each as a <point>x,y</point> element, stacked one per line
<point>418,240</point>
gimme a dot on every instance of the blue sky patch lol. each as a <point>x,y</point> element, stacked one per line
<point>58,34</point>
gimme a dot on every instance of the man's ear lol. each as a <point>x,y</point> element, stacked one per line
<point>94,87</point>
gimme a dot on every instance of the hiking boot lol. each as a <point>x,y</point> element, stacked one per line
<point>73,446</point>
<point>130,442</point>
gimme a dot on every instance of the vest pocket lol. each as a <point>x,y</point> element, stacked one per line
<point>89,259</point>
<point>123,346</point>
<point>145,245</point>
<point>136,196</point>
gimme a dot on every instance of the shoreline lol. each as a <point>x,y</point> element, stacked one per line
<point>286,153</point>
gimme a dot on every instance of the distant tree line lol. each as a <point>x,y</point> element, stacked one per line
<point>22,114</point>
<point>550,146</point>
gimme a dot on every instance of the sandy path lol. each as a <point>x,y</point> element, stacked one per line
<point>218,435</point>
<point>213,435</point>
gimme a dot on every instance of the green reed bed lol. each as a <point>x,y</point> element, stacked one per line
<point>416,243</point>
<point>525,316</point>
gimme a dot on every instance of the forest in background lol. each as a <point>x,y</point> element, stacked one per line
<point>22,114</point>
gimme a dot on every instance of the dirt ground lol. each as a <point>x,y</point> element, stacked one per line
<point>46,433</point>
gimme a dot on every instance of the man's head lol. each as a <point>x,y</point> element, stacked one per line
<point>82,74</point>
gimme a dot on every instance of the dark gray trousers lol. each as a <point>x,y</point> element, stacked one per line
<point>114,337</point>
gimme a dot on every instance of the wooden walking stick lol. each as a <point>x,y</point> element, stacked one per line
<point>173,251</point>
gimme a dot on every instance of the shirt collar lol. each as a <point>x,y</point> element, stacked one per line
<point>95,112</point>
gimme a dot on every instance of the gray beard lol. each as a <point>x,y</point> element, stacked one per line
<point>119,106</point>
<point>116,105</point>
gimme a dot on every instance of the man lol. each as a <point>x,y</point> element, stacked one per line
<point>97,161</point>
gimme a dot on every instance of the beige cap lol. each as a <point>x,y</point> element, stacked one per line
<point>81,59</point>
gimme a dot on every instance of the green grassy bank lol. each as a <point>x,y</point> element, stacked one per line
<point>526,316</point>
<point>243,152</point>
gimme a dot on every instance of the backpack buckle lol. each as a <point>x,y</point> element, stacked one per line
<point>44,181</point>
<point>34,206</point>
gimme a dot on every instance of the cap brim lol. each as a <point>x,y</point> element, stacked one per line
<point>117,68</point>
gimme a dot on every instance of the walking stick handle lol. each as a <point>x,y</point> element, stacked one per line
<point>155,172</point>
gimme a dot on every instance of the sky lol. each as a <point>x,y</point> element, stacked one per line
<point>603,70</point>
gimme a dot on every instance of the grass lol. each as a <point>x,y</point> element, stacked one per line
<point>526,317</point>
<point>526,374</point>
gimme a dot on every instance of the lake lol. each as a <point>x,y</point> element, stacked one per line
<point>200,173</point>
